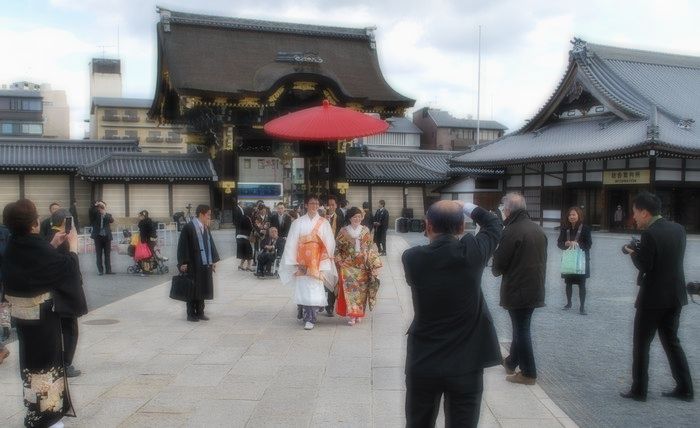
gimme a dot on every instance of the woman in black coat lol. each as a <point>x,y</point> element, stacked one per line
<point>244,248</point>
<point>575,233</point>
<point>148,231</point>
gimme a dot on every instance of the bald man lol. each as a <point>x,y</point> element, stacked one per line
<point>451,339</point>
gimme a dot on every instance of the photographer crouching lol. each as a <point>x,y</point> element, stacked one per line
<point>659,258</point>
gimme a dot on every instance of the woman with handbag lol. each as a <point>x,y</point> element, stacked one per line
<point>574,235</point>
<point>358,268</point>
<point>244,248</point>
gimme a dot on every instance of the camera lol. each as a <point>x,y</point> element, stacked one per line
<point>633,244</point>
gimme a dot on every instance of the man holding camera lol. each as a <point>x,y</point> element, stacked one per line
<point>659,259</point>
<point>102,235</point>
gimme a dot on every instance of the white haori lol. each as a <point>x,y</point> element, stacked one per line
<point>309,291</point>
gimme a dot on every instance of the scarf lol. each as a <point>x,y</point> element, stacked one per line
<point>205,252</point>
<point>355,233</point>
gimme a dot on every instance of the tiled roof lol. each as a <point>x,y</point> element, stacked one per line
<point>394,170</point>
<point>444,119</point>
<point>243,58</point>
<point>434,160</point>
<point>643,92</point>
<point>402,125</point>
<point>263,26</point>
<point>155,166</point>
<point>101,159</point>
<point>65,155</point>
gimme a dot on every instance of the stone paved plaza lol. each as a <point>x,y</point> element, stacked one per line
<point>253,364</point>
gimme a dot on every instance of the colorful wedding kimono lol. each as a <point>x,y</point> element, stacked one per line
<point>356,258</point>
<point>310,243</point>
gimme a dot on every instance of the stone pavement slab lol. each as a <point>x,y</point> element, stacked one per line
<point>253,364</point>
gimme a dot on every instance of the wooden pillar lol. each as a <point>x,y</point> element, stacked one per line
<point>126,200</point>
<point>170,199</point>
<point>563,190</point>
<point>522,180</point>
<point>541,192</point>
<point>21,186</point>
<point>369,196</point>
<point>71,190</point>
<point>652,174</point>
<point>93,192</point>
<point>404,192</point>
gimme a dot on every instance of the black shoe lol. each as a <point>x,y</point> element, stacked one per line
<point>192,318</point>
<point>680,395</point>
<point>329,312</point>
<point>100,273</point>
<point>582,311</point>
<point>110,273</point>
<point>567,307</point>
<point>203,317</point>
<point>72,372</point>
<point>633,396</point>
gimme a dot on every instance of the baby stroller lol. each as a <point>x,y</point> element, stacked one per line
<point>153,262</point>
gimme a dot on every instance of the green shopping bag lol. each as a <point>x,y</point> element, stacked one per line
<point>573,261</point>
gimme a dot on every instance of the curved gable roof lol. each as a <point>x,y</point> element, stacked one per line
<point>232,56</point>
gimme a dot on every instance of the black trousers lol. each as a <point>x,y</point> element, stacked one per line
<point>380,239</point>
<point>521,353</point>
<point>581,290</point>
<point>265,261</point>
<point>103,246</point>
<point>69,329</point>
<point>330,296</point>
<point>195,308</point>
<point>462,399</point>
<point>646,324</point>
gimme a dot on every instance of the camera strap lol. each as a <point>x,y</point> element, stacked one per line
<point>578,233</point>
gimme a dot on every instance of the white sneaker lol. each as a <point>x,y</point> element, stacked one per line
<point>309,325</point>
<point>351,321</point>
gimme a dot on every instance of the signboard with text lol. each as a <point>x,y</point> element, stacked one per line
<point>636,176</point>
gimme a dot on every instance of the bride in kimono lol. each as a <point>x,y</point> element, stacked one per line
<point>359,266</point>
<point>307,262</point>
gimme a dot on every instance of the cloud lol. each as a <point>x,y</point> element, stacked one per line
<point>427,50</point>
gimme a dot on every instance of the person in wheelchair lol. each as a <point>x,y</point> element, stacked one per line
<point>271,248</point>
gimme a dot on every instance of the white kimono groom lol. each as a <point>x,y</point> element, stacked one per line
<point>308,261</point>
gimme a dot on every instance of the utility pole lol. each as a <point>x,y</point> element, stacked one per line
<point>478,92</point>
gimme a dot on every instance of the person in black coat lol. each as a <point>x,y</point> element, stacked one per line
<point>381,224</point>
<point>46,225</point>
<point>281,220</point>
<point>102,235</point>
<point>270,248</point>
<point>367,218</point>
<point>574,233</point>
<point>521,258</point>
<point>659,259</point>
<point>148,231</point>
<point>244,248</point>
<point>452,337</point>
<point>197,257</point>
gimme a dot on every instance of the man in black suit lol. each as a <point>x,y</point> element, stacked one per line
<point>659,259</point>
<point>197,258</point>
<point>270,248</point>
<point>46,225</point>
<point>452,337</point>
<point>381,224</point>
<point>281,220</point>
<point>335,215</point>
<point>102,235</point>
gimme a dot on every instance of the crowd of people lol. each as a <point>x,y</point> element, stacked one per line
<point>326,252</point>
<point>330,255</point>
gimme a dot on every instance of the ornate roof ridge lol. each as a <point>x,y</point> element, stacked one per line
<point>54,142</point>
<point>168,17</point>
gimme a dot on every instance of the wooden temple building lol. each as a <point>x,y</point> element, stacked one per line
<point>620,121</point>
<point>224,78</point>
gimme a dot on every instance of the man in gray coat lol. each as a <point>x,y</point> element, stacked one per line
<point>521,258</point>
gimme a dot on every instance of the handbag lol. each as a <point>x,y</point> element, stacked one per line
<point>181,288</point>
<point>573,261</point>
<point>142,252</point>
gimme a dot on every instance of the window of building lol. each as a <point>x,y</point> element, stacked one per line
<point>486,183</point>
<point>173,137</point>
<point>32,128</point>
<point>131,135</point>
<point>4,103</point>
<point>131,115</point>
<point>111,134</point>
<point>6,128</point>
<point>154,136</point>
<point>110,115</point>
<point>551,198</point>
<point>31,105</point>
<point>532,200</point>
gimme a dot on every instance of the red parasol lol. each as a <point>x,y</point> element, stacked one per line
<point>325,123</point>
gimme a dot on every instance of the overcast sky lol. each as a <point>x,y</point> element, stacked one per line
<point>427,49</point>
